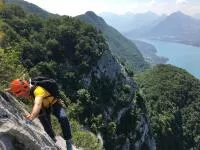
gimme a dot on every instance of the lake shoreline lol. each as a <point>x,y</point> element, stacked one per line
<point>180,55</point>
<point>149,52</point>
<point>190,43</point>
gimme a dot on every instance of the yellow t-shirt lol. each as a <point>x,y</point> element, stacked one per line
<point>48,100</point>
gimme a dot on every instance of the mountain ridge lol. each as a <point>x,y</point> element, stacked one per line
<point>177,27</point>
<point>177,21</point>
<point>118,44</point>
<point>32,8</point>
<point>129,21</point>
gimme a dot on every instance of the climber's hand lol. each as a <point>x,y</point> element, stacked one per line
<point>28,116</point>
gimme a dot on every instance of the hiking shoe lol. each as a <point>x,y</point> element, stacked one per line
<point>69,145</point>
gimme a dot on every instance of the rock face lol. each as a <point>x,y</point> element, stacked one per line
<point>107,66</point>
<point>16,133</point>
<point>139,137</point>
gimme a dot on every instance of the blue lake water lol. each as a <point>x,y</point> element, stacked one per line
<point>180,55</point>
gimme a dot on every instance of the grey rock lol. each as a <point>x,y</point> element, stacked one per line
<point>107,66</point>
<point>15,133</point>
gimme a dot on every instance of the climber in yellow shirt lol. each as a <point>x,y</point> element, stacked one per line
<point>44,103</point>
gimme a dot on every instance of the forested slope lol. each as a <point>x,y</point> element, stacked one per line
<point>172,98</point>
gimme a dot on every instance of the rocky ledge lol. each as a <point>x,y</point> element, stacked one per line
<point>16,132</point>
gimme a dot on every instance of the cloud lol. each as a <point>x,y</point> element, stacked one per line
<point>181,1</point>
<point>77,7</point>
<point>153,2</point>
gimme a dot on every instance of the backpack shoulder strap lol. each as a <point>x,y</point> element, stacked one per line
<point>32,90</point>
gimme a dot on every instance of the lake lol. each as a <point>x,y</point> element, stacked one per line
<point>180,55</point>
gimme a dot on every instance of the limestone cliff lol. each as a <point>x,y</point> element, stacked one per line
<point>109,75</point>
<point>15,132</point>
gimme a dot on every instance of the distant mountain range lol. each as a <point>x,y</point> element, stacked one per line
<point>119,45</point>
<point>177,27</point>
<point>177,24</point>
<point>129,21</point>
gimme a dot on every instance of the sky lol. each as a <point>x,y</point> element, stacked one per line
<point>77,7</point>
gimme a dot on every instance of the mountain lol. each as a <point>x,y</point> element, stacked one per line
<point>144,19</point>
<point>119,45</point>
<point>177,24</point>
<point>177,27</point>
<point>149,53</point>
<point>160,112</point>
<point>129,21</point>
<point>31,8</point>
<point>99,91</point>
<point>142,30</point>
<point>120,22</point>
<point>171,97</point>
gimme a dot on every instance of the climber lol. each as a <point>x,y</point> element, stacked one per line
<point>44,103</point>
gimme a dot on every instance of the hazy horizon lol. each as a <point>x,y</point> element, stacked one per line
<point>119,7</point>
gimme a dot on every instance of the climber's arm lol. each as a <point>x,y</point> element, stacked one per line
<point>36,108</point>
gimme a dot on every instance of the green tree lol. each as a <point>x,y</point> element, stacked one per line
<point>171,97</point>
<point>11,67</point>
